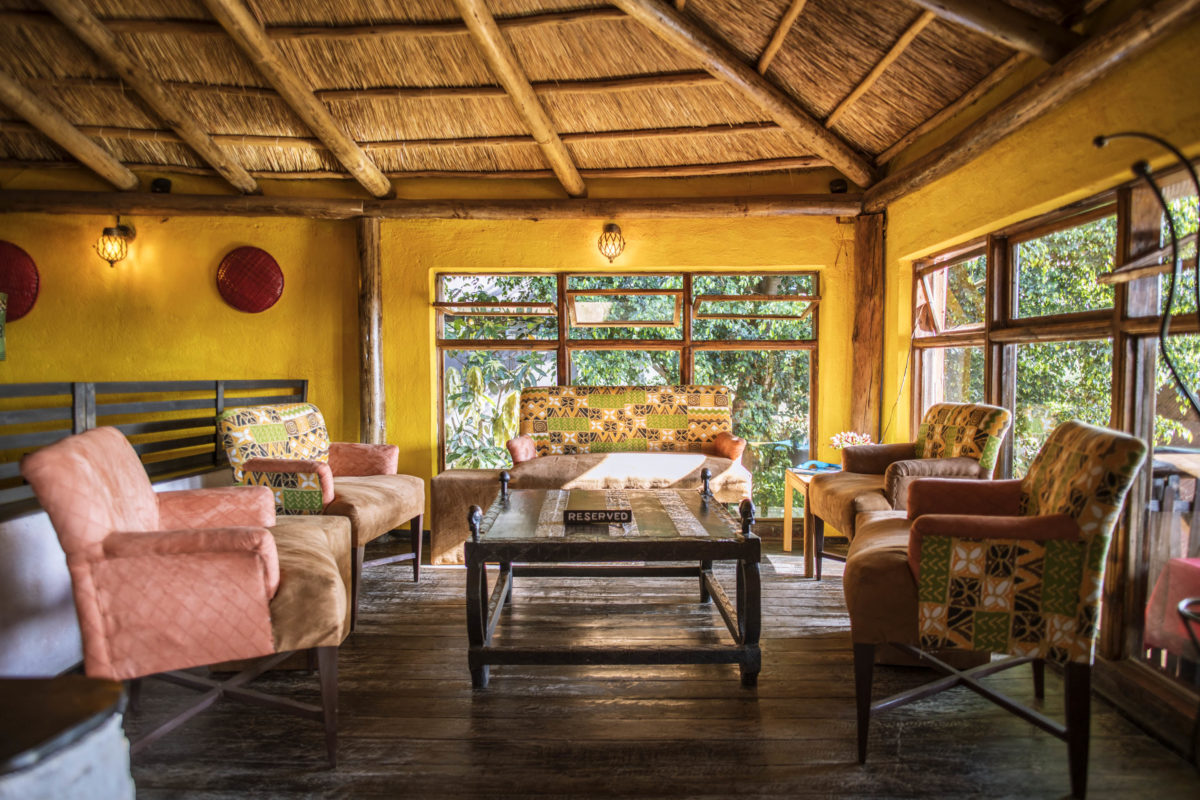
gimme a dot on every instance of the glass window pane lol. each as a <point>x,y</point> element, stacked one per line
<point>624,367</point>
<point>953,298</point>
<point>789,283</point>
<point>610,310</point>
<point>481,390</point>
<point>951,375</point>
<point>770,410</point>
<point>1056,273</point>
<point>1175,424</point>
<point>1058,381</point>
<point>1183,210</point>
<point>497,289</point>
<point>577,282</point>
<point>499,328</point>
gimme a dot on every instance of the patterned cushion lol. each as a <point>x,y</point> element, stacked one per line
<point>963,429</point>
<point>293,430</point>
<point>564,420</point>
<point>1027,596</point>
<point>295,492</point>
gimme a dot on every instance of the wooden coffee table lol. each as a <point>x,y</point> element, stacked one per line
<point>523,533</point>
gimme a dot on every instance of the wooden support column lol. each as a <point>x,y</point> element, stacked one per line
<point>866,340</point>
<point>46,119</point>
<point>372,405</point>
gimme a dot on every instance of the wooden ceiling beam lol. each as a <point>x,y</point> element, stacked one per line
<point>152,204</point>
<point>877,71</point>
<point>245,31</point>
<point>512,77</point>
<point>1134,35</point>
<point>781,31</point>
<point>719,60</point>
<point>79,19</point>
<point>45,118</point>
<point>1007,25</point>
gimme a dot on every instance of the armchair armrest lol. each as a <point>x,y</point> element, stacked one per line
<point>229,542</point>
<point>987,529</point>
<point>958,496</point>
<point>299,486</point>
<point>521,449</point>
<point>348,459</point>
<point>729,446</point>
<point>900,474</point>
<point>224,507</point>
<point>873,459</point>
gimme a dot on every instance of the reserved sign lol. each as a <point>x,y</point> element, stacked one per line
<point>616,516</point>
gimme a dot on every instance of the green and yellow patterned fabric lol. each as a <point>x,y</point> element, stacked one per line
<point>294,431</point>
<point>1027,596</point>
<point>564,420</point>
<point>963,429</point>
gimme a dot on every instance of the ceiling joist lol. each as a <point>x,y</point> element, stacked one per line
<point>79,19</point>
<point>1008,25</point>
<point>45,118</point>
<point>512,77</point>
<point>877,71</point>
<point>245,31</point>
<point>719,60</point>
<point>781,31</point>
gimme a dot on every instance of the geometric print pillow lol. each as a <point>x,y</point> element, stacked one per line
<point>1027,596</point>
<point>291,430</point>
<point>963,429</point>
<point>565,420</point>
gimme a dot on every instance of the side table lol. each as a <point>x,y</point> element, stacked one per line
<point>796,479</point>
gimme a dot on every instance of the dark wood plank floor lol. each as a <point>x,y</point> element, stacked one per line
<point>412,726</point>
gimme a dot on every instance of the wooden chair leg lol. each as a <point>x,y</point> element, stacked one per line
<point>1039,678</point>
<point>328,667</point>
<point>818,543</point>
<point>864,666</point>
<point>417,535</point>
<point>355,579</point>
<point>133,688</point>
<point>1078,685</point>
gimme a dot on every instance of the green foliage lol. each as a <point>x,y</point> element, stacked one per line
<point>1056,273</point>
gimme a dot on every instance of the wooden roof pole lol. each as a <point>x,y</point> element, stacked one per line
<point>46,119</point>
<point>1095,58</point>
<point>245,31</point>
<point>507,70</point>
<point>1008,25</point>
<point>721,62</point>
<point>76,16</point>
<point>785,26</point>
<point>877,71</point>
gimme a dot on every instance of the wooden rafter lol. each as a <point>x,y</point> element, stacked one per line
<point>79,19</point>
<point>512,77</point>
<point>45,118</point>
<point>719,60</point>
<point>781,31</point>
<point>245,31</point>
<point>1095,58</point>
<point>877,71</point>
<point>1013,27</point>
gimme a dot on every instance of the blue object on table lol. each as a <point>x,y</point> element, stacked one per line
<point>816,467</point>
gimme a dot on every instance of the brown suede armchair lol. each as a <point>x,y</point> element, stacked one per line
<point>955,440</point>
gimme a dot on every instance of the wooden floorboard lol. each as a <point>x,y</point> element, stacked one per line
<point>411,726</point>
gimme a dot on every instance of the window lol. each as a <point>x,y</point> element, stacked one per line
<point>1056,272</point>
<point>949,309</point>
<point>755,333</point>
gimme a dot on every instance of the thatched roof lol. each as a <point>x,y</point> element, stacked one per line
<point>410,85</point>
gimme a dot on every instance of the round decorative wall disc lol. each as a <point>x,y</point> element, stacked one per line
<point>249,279</point>
<point>18,279</point>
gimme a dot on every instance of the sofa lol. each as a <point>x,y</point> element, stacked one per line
<point>601,437</point>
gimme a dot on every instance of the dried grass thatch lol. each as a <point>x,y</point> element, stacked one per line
<point>411,86</point>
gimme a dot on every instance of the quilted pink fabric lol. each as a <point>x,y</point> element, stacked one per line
<point>350,460</point>
<point>145,606</point>
<point>290,465</point>
<point>229,506</point>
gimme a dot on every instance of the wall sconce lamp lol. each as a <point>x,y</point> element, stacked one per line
<point>611,242</point>
<point>113,244</point>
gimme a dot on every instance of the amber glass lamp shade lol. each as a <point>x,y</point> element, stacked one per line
<point>113,244</point>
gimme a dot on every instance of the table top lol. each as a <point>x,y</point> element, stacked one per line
<point>44,715</point>
<point>536,515</point>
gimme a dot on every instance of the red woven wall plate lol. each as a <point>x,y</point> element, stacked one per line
<point>249,279</point>
<point>18,279</point>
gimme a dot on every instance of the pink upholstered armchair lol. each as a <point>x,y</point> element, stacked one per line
<point>176,580</point>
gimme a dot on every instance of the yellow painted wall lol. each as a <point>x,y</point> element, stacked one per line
<point>1044,166</point>
<point>158,316</point>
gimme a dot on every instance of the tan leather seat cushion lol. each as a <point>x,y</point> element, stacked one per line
<point>454,491</point>
<point>840,497</point>
<point>881,593</point>
<point>377,504</point>
<point>730,481</point>
<point>312,606</point>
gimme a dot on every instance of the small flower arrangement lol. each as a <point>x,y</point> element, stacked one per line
<point>848,438</point>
